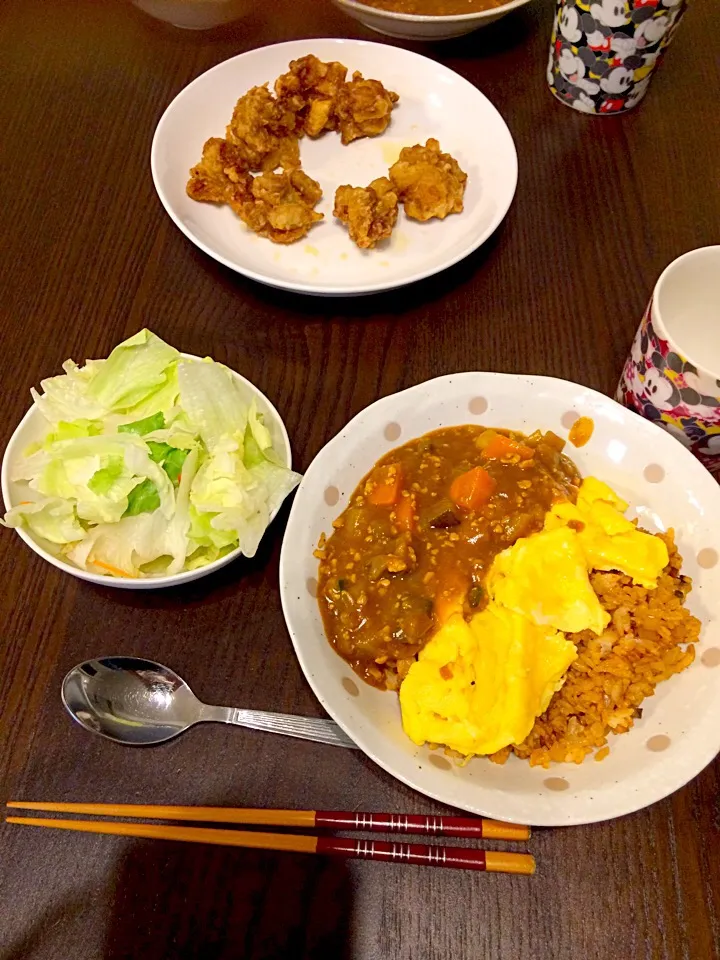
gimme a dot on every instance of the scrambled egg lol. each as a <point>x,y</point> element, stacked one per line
<point>477,687</point>
<point>544,578</point>
<point>607,538</point>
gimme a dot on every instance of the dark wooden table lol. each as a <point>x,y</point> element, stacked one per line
<point>88,257</point>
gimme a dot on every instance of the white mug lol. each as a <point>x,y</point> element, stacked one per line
<point>672,375</point>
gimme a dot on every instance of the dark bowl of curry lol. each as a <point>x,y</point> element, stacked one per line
<point>435,8</point>
<point>427,19</point>
<point>420,533</point>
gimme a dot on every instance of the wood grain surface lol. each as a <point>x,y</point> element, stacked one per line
<point>87,257</point>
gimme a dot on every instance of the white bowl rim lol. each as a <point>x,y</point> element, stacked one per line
<point>130,582</point>
<point>321,289</point>
<point>429,18</point>
<point>632,805</point>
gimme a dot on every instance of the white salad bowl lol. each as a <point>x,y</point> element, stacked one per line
<point>679,732</point>
<point>410,26</point>
<point>33,427</point>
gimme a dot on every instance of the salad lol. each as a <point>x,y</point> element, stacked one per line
<point>152,464</point>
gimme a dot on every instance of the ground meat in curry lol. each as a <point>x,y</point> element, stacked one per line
<point>422,529</point>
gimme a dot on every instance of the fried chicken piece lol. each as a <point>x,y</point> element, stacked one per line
<point>363,108</point>
<point>281,205</point>
<point>428,182</point>
<point>286,155</point>
<point>265,131</point>
<point>222,174</point>
<point>370,212</point>
<point>310,90</point>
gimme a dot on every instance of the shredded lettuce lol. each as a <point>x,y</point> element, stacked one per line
<point>212,402</point>
<point>151,464</point>
<point>144,498</point>
<point>51,518</point>
<point>146,425</point>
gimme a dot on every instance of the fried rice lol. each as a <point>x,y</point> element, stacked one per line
<point>650,638</point>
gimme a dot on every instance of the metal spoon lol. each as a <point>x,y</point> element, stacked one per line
<point>140,702</point>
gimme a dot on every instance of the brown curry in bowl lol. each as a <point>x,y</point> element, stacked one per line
<point>435,8</point>
<point>422,529</point>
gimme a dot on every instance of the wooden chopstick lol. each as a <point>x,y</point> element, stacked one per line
<point>469,827</point>
<point>417,853</point>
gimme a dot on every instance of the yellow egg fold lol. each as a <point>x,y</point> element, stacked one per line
<point>478,686</point>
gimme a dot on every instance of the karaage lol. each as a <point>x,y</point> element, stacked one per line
<point>363,108</point>
<point>370,212</point>
<point>428,182</point>
<point>221,176</point>
<point>281,205</point>
<point>265,131</point>
<point>309,90</point>
<point>262,137</point>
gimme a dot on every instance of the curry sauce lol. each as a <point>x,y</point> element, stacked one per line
<point>420,533</point>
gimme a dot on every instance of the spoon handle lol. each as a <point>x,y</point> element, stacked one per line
<point>305,728</point>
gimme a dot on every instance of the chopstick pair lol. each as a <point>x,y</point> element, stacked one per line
<point>437,856</point>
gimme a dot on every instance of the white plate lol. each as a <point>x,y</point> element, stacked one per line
<point>434,102</point>
<point>33,427</point>
<point>685,709</point>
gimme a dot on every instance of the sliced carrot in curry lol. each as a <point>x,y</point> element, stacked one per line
<point>446,606</point>
<point>448,599</point>
<point>405,513</point>
<point>385,485</point>
<point>501,446</point>
<point>472,489</point>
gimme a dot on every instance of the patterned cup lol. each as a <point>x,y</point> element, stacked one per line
<point>603,52</point>
<point>672,375</point>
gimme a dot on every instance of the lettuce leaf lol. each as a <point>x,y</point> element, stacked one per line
<point>146,425</point>
<point>103,480</point>
<point>231,502</point>
<point>144,498</point>
<point>138,372</point>
<point>212,402</point>
<point>134,370</point>
<point>96,474</point>
<point>51,518</point>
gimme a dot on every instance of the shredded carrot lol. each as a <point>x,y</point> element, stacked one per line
<point>385,489</point>
<point>107,566</point>
<point>472,489</point>
<point>405,513</point>
<point>24,503</point>
<point>501,446</point>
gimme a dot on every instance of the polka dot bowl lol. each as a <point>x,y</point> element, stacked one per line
<point>679,732</point>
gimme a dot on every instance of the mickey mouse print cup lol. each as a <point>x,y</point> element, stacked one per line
<point>672,375</point>
<point>603,52</point>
